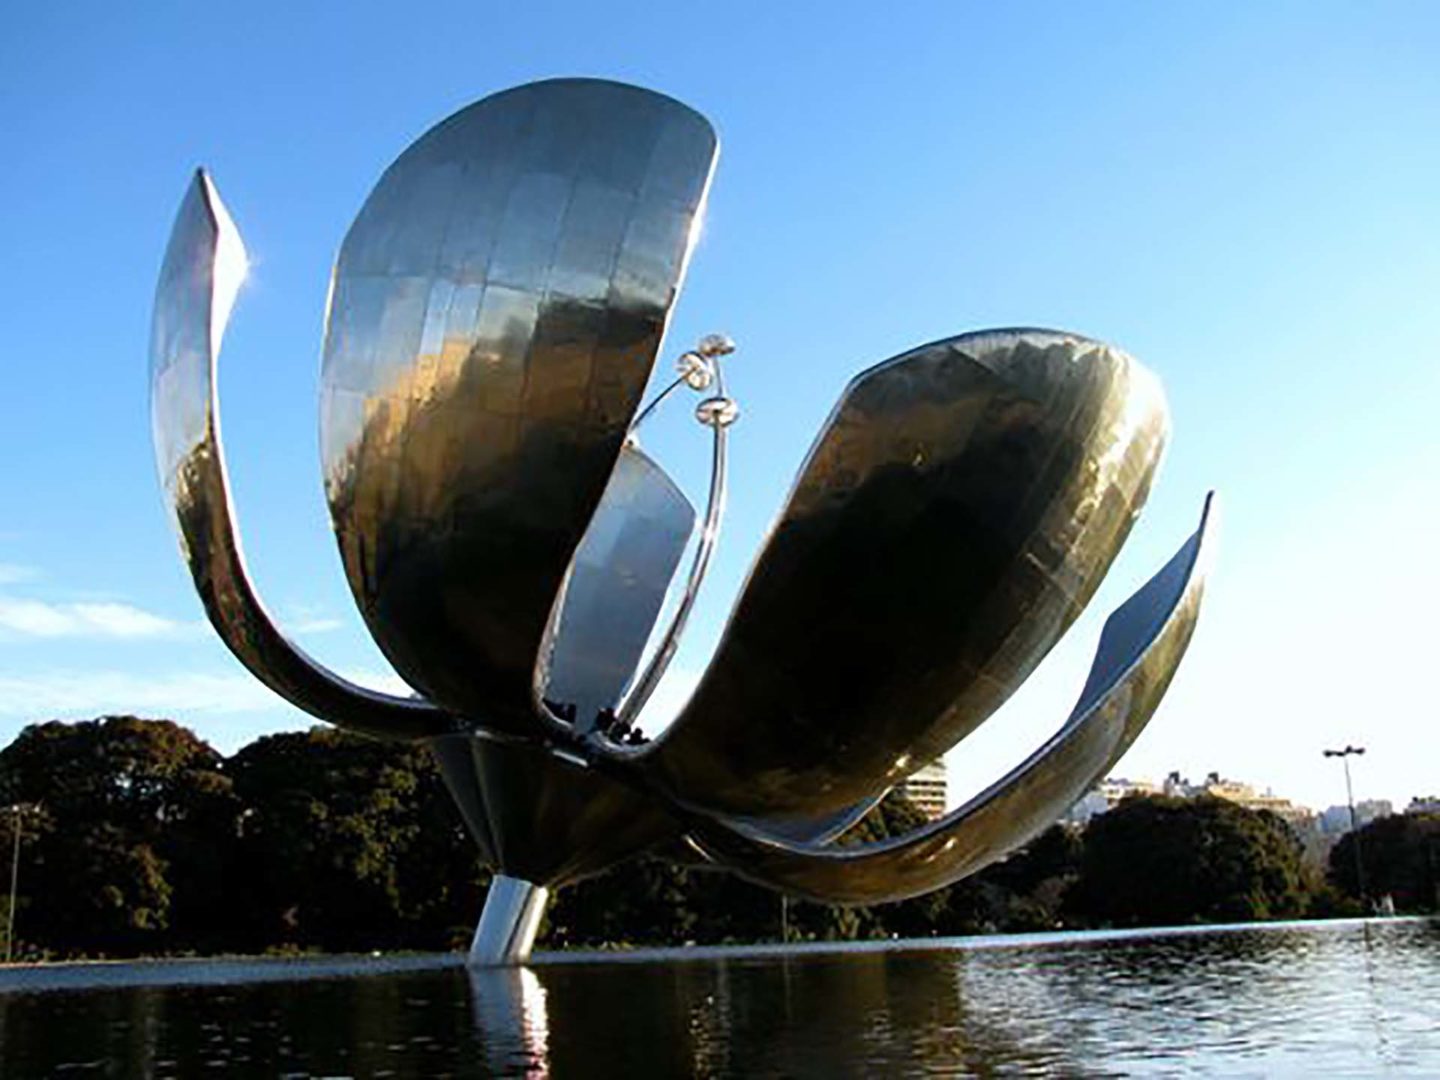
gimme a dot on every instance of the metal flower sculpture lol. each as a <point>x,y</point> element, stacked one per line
<point>494,316</point>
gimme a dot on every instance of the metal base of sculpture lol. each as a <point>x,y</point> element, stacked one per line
<point>495,312</point>
<point>509,922</point>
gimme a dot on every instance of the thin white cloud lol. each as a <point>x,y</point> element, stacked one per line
<point>67,694</point>
<point>78,694</point>
<point>123,620</point>
<point>313,626</point>
<point>15,574</point>
<point>384,682</point>
<point>70,694</point>
<point>39,618</point>
<point>299,618</point>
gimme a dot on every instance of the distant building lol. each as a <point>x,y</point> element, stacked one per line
<point>1112,790</point>
<point>926,788</point>
<point>1091,804</point>
<point>1116,789</point>
<point>1105,797</point>
<point>1336,819</point>
<point>1179,787</point>
<point>1424,804</point>
<point>1237,791</point>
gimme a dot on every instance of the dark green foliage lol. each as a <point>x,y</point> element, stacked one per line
<point>1035,883</point>
<point>921,916</point>
<point>654,901</point>
<point>893,816</point>
<point>124,836</point>
<point>137,837</point>
<point>650,895</point>
<point>349,843</point>
<point>661,901</point>
<point>1401,856</point>
<point>1165,861</point>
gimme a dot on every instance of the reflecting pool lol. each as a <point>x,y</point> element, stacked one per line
<point>1341,998</point>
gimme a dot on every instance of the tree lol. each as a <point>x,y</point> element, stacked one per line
<point>1035,882</point>
<point>647,900</point>
<point>920,916</point>
<point>1401,853</point>
<point>668,899</point>
<point>1163,861</point>
<point>350,843</point>
<point>128,824</point>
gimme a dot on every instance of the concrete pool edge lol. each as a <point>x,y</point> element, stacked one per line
<point>91,975</point>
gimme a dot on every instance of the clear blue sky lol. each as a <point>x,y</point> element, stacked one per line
<point>1245,196</point>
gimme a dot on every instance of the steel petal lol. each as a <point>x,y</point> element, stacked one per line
<point>953,519</point>
<point>494,315</point>
<point>1140,648</point>
<point>204,265</point>
<point>615,589</point>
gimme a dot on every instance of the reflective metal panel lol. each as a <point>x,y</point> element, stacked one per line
<point>649,678</point>
<point>204,265</point>
<point>616,587</point>
<point>807,830</point>
<point>544,816</point>
<point>494,314</point>
<point>955,516</point>
<point>508,923</point>
<point>1140,648</point>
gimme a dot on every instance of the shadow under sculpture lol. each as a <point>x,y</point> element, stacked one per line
<point>494,316</point>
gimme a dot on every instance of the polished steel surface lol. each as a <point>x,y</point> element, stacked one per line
<point>956,514</point>
<point>616,588</point>
<point>543,814</point>
<point>659,663</point>
<point>807,829</point>
<point>508,923</point>
<point>494,315</point>
<point>1140,648</point>
<point>204,265</point>
<point>700,369</point>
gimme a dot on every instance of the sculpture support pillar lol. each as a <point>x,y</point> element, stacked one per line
<point>508,923</point>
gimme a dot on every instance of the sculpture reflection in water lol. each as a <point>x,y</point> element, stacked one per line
<point>494,316</point>
<point>511,1020</point>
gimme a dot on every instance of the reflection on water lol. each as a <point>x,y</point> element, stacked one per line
<point>1350,998</point>
<point>512,1020</point>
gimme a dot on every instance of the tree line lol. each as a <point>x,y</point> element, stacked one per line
<point>138,838</point>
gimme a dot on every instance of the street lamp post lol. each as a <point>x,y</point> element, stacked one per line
<point>14,888</point>
<point>1344,756</point>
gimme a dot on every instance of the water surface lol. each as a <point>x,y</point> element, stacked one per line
<point>1346,998</point>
